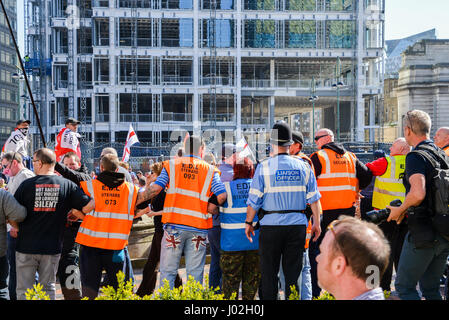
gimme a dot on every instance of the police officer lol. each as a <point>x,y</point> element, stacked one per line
<point>281,188</point>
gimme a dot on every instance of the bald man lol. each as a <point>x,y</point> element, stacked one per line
<point>441,139</point>
<point>339,174</point>
<point>388,187</point>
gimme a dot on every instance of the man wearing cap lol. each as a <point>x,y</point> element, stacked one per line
<point>281,188</point>
<point>340,176</point>
<point>68,139</point>
<point>18,140</point>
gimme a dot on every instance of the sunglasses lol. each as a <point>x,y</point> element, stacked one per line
<point>4,166</point>
<point>319,137</point>
<point>331,227</point>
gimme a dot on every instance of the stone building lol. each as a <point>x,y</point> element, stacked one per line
<point>424,81</point>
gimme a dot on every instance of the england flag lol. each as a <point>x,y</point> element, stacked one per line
<point>131,140</point>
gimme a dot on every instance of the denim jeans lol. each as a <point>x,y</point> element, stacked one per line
<point>174,243</point>
<point>26,267</point>
<point>11,254</point>
<point>4,292</point>
<point>215,273</point>
<point>423,266</point>
<point>304,280</point>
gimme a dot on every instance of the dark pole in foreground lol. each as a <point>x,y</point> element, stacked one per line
<point>24,74</point>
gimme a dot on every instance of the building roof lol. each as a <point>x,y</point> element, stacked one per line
<point>396,47</point>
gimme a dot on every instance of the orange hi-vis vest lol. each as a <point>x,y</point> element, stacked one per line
<point>188,192</point>
<point>337,182</point>
<point>308,234</point>
<point>109,225</point>
<point>446,150</point>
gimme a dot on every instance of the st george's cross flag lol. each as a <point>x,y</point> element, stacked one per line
<point>131,140</point>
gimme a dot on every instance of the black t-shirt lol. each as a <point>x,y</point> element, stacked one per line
<point>48,199</point>
<point>157,204</point>
<point>417,164</point>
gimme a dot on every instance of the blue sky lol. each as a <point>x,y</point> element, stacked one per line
<point>403,18</point>
<point>406,17</point>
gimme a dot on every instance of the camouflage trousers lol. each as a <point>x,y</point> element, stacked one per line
<point>240,267</point>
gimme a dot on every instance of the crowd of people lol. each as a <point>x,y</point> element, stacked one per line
<point>321,222</point>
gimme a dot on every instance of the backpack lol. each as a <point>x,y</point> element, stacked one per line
<point>438,187</point>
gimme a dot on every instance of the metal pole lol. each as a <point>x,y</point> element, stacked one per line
<point>24,74</point>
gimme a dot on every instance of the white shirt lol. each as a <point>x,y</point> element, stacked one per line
<point>17,142</point>
<point>14,182</point>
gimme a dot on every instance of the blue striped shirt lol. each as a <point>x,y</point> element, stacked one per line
<point>217,188</point>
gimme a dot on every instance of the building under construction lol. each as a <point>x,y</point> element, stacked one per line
<point>231,65</point>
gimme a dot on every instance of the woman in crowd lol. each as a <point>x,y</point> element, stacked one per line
<point>239,259</point>
<point>154,209</point>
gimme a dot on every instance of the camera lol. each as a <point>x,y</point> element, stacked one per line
<point>379,216</point>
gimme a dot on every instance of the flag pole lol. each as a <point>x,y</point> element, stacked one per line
<point>24,75</point>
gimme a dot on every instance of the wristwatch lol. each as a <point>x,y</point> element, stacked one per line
<point>250,223</point>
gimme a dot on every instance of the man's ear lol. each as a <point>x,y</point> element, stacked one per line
<point>338,266</point>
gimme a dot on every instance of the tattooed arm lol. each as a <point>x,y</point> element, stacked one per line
<point>149,193</point>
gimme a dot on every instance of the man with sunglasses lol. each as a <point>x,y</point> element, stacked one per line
<point>353,256</point>
<point>340,176</point>
<point>425,250</point>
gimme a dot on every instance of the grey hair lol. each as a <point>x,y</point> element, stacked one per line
<point>419,122</point>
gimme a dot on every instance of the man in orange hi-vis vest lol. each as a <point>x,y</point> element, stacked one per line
<point>340,176</point>
<point>189,183</point>
<point>104,232</point>
<point>441,139</point>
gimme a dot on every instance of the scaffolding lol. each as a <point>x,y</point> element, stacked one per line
<point>160,65</point>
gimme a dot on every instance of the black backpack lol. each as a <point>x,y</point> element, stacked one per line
<point>438,187</point>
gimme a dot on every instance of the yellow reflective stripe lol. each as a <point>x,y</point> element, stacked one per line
<point>189,193</point>
<point>310,194</point>
<point>107,235</point>
<point>110,215</point>
<point>337,175</point>
<point>256,192</point>
<point>266,175</point>
<point>234,226</point>
<point>232,210</point>
<point>130,201</point>
<point>187,212</point>
<point>390,193</point>
<point>336,188</point>
<point>326,160</point>
<point>171,183</point>
<point>286,189</point>
<point>389,180</point>
<point>207,182</point>
<point>228,191</point>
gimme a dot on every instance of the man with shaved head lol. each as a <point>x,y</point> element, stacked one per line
<point>340,176</point>
<point>441,139</point>
<point>388,187</point>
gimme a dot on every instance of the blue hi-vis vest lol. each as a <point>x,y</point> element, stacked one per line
<point>233,216</point>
